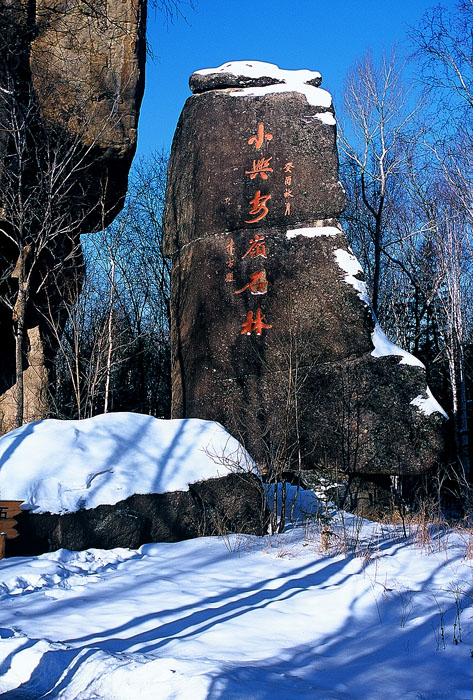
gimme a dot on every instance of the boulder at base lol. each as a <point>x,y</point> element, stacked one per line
<point>232,503</point>
<point>125,479</point>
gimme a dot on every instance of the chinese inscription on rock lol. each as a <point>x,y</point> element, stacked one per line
<point>258,208</point>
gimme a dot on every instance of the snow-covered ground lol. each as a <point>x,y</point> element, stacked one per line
<point>240,617</point>
<point>354,612</point>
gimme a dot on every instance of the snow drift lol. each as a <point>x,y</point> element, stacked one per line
<point>62,466</point>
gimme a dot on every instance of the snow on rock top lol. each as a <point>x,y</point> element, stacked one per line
<point>61,466</point>
<point>261,69</point>
<point>256,78</point>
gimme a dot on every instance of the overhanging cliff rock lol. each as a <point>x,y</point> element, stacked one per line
<point>71,84</point>
<point>272,331</point>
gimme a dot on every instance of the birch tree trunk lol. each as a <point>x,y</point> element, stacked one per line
<point>109,334</point>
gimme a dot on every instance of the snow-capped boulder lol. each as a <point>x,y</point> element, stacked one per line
<point>123,479</point>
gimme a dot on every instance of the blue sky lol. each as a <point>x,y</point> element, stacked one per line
<point>327,36</point>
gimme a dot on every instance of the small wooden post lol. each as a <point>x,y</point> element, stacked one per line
<point>8,511</point>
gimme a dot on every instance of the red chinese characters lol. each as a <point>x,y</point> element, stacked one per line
<point>259,206</point>
<point>254,323</point>
<point>287,184</point>
<point>260,167</point>
<point>257,248</point>
<point>255,282</point>
<point>258,283</point>
<point>260,137</point>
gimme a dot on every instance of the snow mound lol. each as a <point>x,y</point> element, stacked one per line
<point>61,466</point>
<point>369,614</point>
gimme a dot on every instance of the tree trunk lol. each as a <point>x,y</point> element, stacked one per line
<point>19,314</point>
<point>109,335</point>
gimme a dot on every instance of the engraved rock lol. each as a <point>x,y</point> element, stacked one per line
<point>272,332</point>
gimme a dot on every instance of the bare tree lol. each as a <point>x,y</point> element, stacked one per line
<point>443,42</point>
<point>114,351</point>
<point>451,244</point>
<point>377,114</point>
<point>41,217</point>
<point>63,118</point>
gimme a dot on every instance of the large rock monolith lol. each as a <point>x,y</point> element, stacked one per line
<point>272,332</point>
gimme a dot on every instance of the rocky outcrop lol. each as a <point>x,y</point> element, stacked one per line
<point>234,503</point>
<point>272,332</point>
<point>71,83</point>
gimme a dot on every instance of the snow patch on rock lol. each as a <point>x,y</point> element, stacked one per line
<point>314,96</point>
<point>313,232</point>
<point>326,118</point>
<point>428,404</point>
<point>350,265</point>
<point>384,347</point>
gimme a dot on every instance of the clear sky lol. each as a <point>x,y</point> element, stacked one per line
<point>324,35</point>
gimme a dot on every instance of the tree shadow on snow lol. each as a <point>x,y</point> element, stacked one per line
<point>56,662</point>
<point>380,652</point>
<point>376,643</point>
